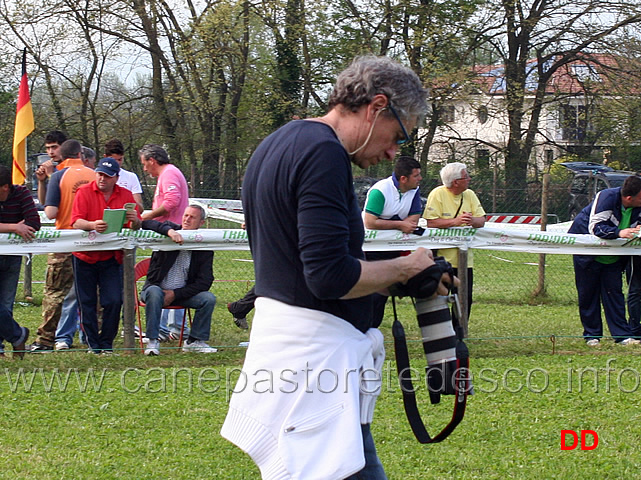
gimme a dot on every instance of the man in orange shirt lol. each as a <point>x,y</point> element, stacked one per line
<point>61,191</point>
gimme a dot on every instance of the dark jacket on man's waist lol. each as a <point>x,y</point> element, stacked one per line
<point>200,275</point>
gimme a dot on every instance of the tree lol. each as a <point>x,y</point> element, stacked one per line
<point>434,37</point>
<point>69,60</point>
<point>554,34</point>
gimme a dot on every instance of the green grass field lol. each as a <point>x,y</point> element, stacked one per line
<point>70,415</point>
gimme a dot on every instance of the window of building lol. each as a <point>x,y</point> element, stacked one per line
<point>447,113</point>
<point>482,159</point>
<point>574,122</point>
<point>585,72</point>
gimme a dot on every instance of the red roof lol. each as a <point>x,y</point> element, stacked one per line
<point>595,72</point>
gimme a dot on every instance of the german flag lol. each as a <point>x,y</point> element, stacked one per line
<point>24,126</point>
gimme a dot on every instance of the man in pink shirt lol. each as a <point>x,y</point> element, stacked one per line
<point>172,194</point>
<point>170,200</point>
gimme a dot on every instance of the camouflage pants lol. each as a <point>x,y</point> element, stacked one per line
<point>57,284</point>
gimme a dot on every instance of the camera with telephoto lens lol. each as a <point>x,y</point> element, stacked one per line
<point>425,283</point>
<point>441,343</point>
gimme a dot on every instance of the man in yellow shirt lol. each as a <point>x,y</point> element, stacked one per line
<point>453,204</point>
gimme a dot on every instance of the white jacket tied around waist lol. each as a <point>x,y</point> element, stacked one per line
<point>309,380</point>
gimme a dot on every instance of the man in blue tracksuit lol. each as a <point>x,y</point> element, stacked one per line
<point>614,213</point>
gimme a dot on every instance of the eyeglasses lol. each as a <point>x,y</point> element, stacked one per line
<point>398,119</point>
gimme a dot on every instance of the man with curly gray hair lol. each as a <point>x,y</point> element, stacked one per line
<point>314,307</point>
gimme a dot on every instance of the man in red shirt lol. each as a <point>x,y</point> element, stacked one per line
<point>100,271</point>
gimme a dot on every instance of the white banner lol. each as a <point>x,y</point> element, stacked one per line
<point>50,240</point>
<point>230,210</point>
<point>500,237</point>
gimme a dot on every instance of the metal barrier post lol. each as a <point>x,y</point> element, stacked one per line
<point>129,311</point>
<point>540,288</point>
<point>27,278</point>
<point>463,277</point>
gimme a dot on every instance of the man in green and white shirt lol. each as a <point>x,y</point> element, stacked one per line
<point>393,203</point>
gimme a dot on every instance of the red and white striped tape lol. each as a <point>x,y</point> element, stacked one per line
<point>522,219</point>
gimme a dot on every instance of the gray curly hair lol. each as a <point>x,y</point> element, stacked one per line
<point>369,75</point>
<point>156,152</point>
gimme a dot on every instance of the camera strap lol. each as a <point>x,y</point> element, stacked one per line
<point>409,394</point>
<point>459,206</point>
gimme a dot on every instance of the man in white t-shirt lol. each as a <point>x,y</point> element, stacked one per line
<point>129,180</point>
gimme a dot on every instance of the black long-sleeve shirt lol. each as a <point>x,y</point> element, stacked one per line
<point>304,225</point>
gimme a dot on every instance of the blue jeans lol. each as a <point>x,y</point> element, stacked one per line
<point>9,276</point>
<point>69,319</point>
<point>106,277</point>
<point>171,320</point>
<point>203,303</point>
<point>373,469</point>
<point>9,328</point>
<point>68,323</point>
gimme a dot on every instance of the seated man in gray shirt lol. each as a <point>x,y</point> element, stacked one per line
<point>180,277</point>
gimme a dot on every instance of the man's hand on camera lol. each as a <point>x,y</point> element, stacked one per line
<point>446,282</point>
<point>422,285</point>
<point>432,280</point>
<point>417,261</point>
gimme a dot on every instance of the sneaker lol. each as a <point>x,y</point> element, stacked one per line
<point>593,342</point>
<point>629,341</point>
<point>241,322</point>
<point>61,346</point>
<point>152,348</point>
<point>20,347</point>
<point>137,332</point>
<point>198,346</point>
<point>36,347</point>
<point>174,336</point>
<point>163,337</point>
